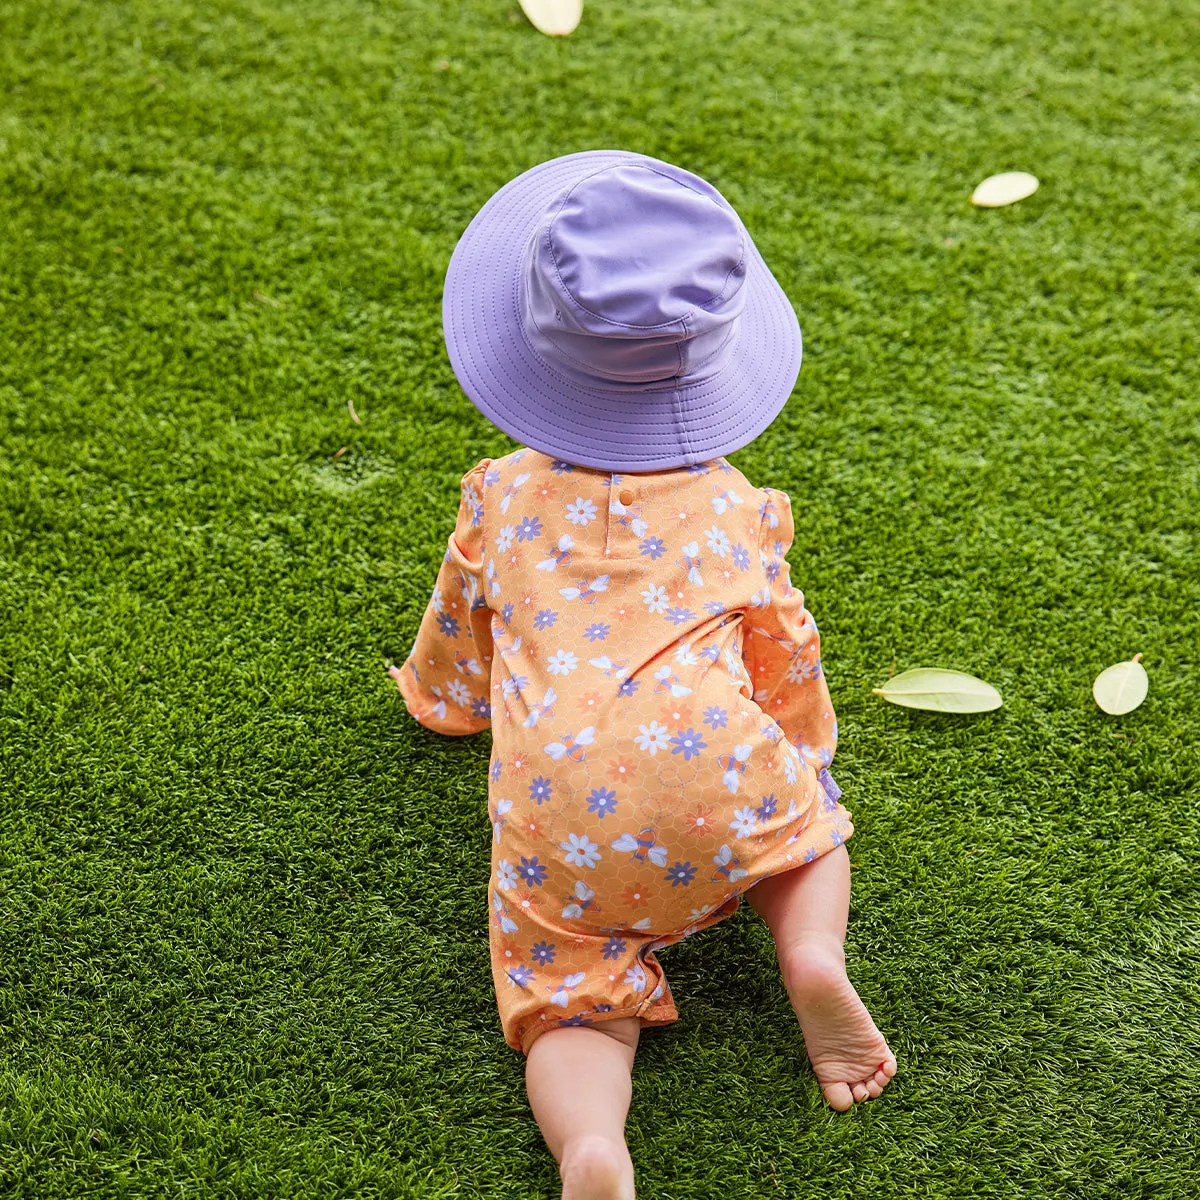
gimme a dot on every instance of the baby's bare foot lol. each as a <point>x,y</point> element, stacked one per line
<point>593,1168</point>
<point>849,1055</point>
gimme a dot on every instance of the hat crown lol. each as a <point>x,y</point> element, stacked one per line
<point>635,276</point>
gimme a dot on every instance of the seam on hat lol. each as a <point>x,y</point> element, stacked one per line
<point>623,324</point>
<point>681,424</point>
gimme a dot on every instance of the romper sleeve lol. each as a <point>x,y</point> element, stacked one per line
<point>446,679</point>
<point>782,648</point>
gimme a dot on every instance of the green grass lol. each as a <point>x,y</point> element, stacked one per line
<point>243,945</point>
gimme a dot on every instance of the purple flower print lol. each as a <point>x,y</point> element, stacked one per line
<point>689,744</point>
<point>810,855</point>
<point>837,837</point>
<point>577,1019</point>
<point>481,708</point>
<point>543,953</point>
<point>766,809</point>
<point>741,557</point>
<point>507,611</point>
<point>602,1008</point>
<point>522,975</point>
<point>448,625</point>
<point>597,632</point>
<point>532,872</point>
<point>491,477</point>
<point>716,717</point>
<point>613,948</point>
<point>540,789</point>
<point>680,616</point>
<point>654,547</point>
<point>561,468</point>
<point>772,569</point>
<point>497,767</point>
<point>545,619</point>
<point>628,687</point>
<point>681,873</point>
<point>602,801</point>
<point>529,528</point>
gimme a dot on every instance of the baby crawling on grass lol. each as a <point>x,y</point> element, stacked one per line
<point>616,604</point>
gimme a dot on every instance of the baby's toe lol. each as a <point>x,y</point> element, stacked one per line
<point>873,1089</point>
<point>838,1097</point>
<point>859,1092</point>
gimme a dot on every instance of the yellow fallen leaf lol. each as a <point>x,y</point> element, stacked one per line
<point>1008,188</point>
<point>353,414</point>
<point>1122,687</point>
<point>556,18</point>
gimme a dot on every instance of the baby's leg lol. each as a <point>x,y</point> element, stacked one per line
<point>579,1082</point>
<point>806,911</point>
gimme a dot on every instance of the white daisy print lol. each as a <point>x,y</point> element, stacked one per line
<point>562,662</point>
<point>655,599</point>
<point>636,978</point>
<point>743,821</point>
<point>580,850</point>
<point>800,670</point>
<point>505,537</point>
<point>718,541</point>
<point>652,738</point>
<point>582,512</point>
<point>506,875</point>
<point>459,692</point>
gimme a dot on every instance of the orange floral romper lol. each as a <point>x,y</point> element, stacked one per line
<point>661,724</point>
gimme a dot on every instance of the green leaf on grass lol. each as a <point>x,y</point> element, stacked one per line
<point>940,691</point>
<point>1122,687</point>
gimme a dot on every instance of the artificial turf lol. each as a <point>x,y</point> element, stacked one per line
<point>243,945</point>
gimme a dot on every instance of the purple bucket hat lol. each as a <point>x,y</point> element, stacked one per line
<point>609,309</point>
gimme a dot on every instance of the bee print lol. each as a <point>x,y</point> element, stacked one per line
<point>614,668</point>
<point>510,491</point>
<point>503,920</point>
<point>642,846</point>
<point>559,557</point>
<point>572,745</point>
<point>583,901</point>
<point>691,562</point>
<point>734,766</point>
<point>586,591</point>
<point>466,665</point>
<point>728,865</point>
<point>724,499</point>
<point>499,812</point>
<point>569,984</point>
<point>668,681</point>
<point>538,711</point>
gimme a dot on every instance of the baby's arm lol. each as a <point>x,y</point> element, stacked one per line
<point>782,648</point>
<point>445,680</point>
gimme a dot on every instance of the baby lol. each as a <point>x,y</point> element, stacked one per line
<point>615,603</point>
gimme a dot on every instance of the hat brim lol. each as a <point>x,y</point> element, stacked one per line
<point>639,431</point>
